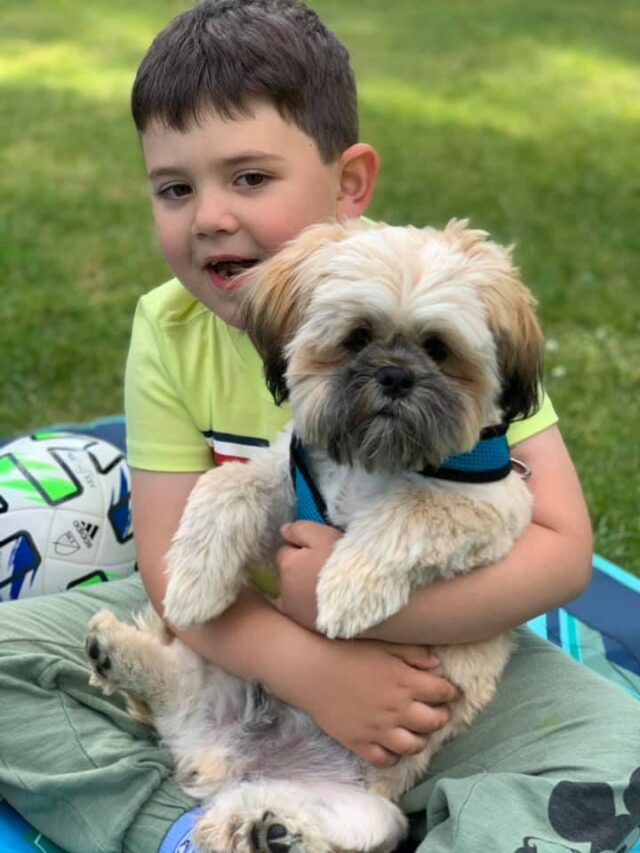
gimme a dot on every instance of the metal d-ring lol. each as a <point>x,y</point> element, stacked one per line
<point>523,471</point>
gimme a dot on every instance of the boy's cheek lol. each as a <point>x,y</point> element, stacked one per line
<point>169,246</point>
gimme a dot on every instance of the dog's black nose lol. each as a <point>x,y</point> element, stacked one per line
<point>395,381</point>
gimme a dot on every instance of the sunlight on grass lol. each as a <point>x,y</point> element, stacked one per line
<point>568,87</point>
<point>92,48</point>
<point>64,65</point>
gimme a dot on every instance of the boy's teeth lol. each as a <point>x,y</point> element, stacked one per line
<point>227,269</point>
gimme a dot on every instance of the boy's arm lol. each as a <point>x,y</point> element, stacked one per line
<point>379,718</point>
<point>549,565</point>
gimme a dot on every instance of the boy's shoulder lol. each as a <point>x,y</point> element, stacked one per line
<point>171,304</point>
<point>179,330</point>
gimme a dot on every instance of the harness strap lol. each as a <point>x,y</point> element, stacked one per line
<point>310,505</point>
<point>487,462</point>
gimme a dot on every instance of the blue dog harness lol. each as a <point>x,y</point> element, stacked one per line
<point>488,462</point>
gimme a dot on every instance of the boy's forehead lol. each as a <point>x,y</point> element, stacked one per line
<point>260,132</point>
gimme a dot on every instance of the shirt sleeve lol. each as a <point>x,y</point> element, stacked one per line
<point>161,434</point>
<point>544,418</point>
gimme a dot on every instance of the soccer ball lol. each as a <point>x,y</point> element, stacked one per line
<point>65,516</point>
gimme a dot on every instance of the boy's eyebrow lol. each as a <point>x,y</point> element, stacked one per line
<point>248,156</point>
<point>225,162</point>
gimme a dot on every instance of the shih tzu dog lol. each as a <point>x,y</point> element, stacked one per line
<point>404,353</point>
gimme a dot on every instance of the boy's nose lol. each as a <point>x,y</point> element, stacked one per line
<point>214,216</point>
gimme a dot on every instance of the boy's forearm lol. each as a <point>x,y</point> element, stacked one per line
<point>253,641</point>
<point>544,569</point>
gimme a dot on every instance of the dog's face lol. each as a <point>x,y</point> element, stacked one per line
<point>394,345</point>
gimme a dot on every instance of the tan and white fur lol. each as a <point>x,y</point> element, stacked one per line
<point>395,347</point>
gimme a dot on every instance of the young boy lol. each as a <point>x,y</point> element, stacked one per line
<point>247,115</point>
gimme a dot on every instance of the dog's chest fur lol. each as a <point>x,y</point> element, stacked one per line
<point>347,490</point>
<point>343,489</point>
<point>351,492</point>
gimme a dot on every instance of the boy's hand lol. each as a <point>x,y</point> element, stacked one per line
<point>299,561</point>
<point>377,699</point>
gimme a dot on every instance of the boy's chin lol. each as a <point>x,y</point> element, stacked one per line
<point>229,312</point>
<point>226,284</point>
<point>222,303</point>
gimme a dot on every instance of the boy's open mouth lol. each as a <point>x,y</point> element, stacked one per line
<point>231,269</point>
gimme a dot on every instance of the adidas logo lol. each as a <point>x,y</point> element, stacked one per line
<point>87,531</point>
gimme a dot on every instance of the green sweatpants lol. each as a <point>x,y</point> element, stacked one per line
<point>552,765</point>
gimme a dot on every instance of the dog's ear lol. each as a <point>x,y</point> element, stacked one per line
<point>510,308</point>
<point>521,354</point>
<point>519,341</point>
<point>273,299</point>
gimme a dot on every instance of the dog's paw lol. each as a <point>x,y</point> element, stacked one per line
<point>266,834</point>
<point>338,615</point>
<point>341,625</point>
<point>248,830</point>
<point>350,602</point>
<point>188,603</point>
<point>272,836</point>
<point>99,648</point>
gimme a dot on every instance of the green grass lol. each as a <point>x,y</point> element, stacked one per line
<point>523,117</point>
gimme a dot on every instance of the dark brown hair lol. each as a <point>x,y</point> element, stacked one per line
<point>223,54</point>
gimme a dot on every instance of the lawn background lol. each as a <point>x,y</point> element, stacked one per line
<point>524,117</point>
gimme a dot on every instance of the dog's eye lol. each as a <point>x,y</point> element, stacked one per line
<point>435,348</point>
<point>357,339</point>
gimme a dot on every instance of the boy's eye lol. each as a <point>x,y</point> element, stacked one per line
<point>174,191</point>
<point>252,179</point>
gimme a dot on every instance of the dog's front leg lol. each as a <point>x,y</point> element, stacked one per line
<point>360,585</point>
<point>371,571</point>
<point>402,541</point>
<point>396,543</point>
<point>232,518</point>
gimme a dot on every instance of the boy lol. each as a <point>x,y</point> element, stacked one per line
<point>247,116</point>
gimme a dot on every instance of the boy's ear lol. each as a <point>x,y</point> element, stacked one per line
<point>359,166</point>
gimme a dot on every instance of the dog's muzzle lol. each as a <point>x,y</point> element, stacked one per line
<point>396,382</point>
<point>392,418</point>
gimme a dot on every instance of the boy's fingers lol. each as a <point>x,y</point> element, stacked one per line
<point>404,742</point>
<point>304,534</point>
<point>377,755</point>
<point>436,691</point>
<point>420,657</point>
<point>424,719</point>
